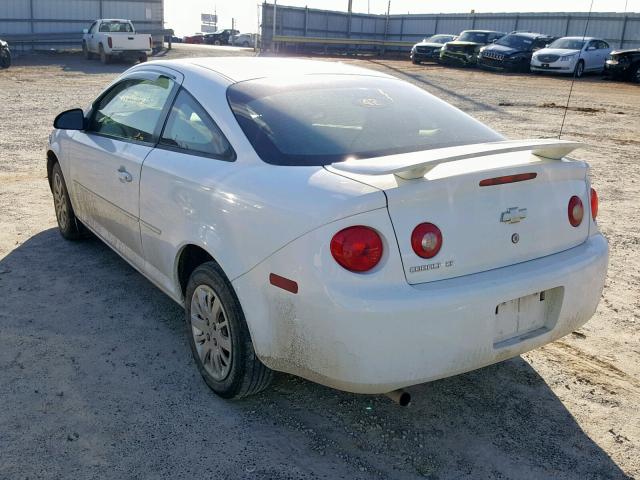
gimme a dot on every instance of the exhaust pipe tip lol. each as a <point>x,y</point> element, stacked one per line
<point>400,396</point>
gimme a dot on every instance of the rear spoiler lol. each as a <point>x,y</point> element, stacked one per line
<point>416,164</point>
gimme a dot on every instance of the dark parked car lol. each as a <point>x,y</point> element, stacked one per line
<point>513,51</point>
<point>221,37</point>
<point>5,55</point>
<point>624,64</point>
<point>464,49</point>
<point>429,48</point>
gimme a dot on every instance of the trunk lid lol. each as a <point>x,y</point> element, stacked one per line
<point>484,227</point>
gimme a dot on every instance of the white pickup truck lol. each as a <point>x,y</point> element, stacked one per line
<point>109,38</point>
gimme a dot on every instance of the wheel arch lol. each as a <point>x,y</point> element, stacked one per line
<point>189,257</point>
<point>52,159</point>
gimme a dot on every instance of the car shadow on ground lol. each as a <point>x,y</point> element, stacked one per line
<point>97,378</point>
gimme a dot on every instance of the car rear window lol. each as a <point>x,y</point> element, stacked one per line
<point>322,119</point>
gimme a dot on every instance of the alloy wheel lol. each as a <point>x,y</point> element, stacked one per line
<point>211,333</point>
<point>60,202</point>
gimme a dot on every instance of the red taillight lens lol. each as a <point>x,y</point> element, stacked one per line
<point>575,211</point>
<point>357,249</point>
<point>594,204</point>
<point>426,240</point>
<point>110,42</point>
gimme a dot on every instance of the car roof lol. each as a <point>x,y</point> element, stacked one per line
<point>483,31</point>
<point>530,34</point>
<point>580,38</point>
<point>239,69</point>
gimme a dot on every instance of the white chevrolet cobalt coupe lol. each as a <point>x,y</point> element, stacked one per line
<point>330,221</point>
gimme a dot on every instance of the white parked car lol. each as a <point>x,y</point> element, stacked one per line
<point>330,221</point>
<point>572,55</point>
<point>243,40</point>
<point>115,38</point>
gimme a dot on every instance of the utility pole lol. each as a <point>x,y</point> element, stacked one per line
<point>273,36</point>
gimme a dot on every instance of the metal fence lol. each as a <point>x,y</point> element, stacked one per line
<point>619,29</point>
<point>59,23</point>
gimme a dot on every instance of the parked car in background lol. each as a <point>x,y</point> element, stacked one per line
<point>513,51</point>
<point>172,38</point>
<point>243,40</point>
<point>429,48</point>
<point>198,38</point>
<point>221,37</point>
<point>624,64</point>
<point>572,55</point>
<point>115,38</point>
<point>5,54</point>
<point>310,220</point>
<point>464,50</point>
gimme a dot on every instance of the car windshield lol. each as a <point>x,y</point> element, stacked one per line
<point>476,37</point>
<point>321,119</point>
<point>517,42</point>
<point>439,39</point>
<point>116,27</point>
<point>568,43</point>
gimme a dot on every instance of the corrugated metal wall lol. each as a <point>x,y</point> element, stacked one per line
<point>19,18</point>
<point>619,29</point>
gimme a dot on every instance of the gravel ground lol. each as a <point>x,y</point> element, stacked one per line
<point>96,376</point>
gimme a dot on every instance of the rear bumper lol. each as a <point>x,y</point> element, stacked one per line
<point>131,53</point>
<point>369,340</point>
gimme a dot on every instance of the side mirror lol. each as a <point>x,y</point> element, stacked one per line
<point>70,120</point>
<point>85,30</point>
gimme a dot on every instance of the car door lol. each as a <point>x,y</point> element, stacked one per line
<point>106,158</point>
<point>590,55</point>
<point>603,51</point>
<point>179,196</point>
<point>91,41</point>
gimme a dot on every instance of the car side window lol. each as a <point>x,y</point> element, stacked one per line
<point>191,129</point>
<point>92,28</point>
<point>132,109</point>
<point>602,45</point>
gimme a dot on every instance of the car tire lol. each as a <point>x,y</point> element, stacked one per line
<point>5,59</point>
<point>245,44</point>
<point>217,42</point>
<point>579,70</point>
<point>104,58</point>
<point>219,336</point>
<point>69,226</point>
<point>143,58</point>
<point>85,50</point>
<point>415,62</point>
<point>634,73</point>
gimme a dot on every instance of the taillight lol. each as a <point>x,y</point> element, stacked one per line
<point>594,204</point>
<point>357,248</point>
<point>151,43</point>
<point>575,211</point>
<point>110,42</point>
<point>426,240</point>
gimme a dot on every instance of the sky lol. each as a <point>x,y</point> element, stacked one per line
<point>184,15</point>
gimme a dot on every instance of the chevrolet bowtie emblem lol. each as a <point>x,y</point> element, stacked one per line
<point>513,215</point>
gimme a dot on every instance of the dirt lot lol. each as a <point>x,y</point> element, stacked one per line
<point>96,376</point>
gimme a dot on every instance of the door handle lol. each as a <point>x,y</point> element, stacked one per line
<point>124,176</point>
